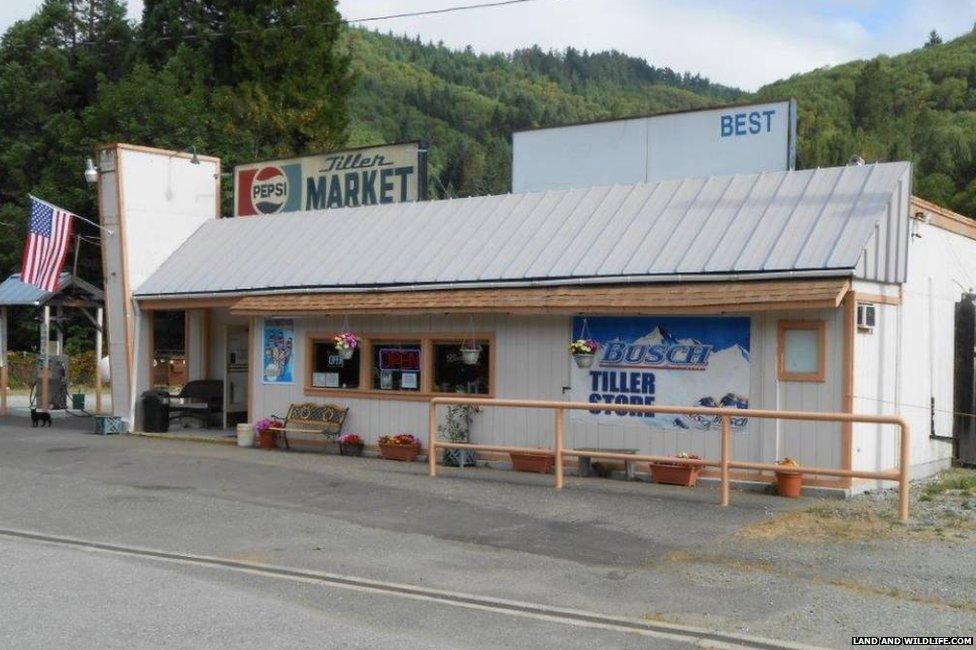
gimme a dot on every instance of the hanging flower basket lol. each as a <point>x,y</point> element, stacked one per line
<point>583,351</point>
<point>346,344</point>
<point>583,360</point>
<point>470,356</point>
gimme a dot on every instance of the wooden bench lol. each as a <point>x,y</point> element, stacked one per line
<point>320,419</point>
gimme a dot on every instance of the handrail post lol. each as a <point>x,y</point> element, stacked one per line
<point>903,473</point>
<point>725,460</point>
<point>558,446</point>
<point>432,439</point>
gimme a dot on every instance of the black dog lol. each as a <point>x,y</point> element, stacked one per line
<point>40,416</point>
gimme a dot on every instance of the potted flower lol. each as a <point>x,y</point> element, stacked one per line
<point>346,344</point>
<point>350,444</point>
<point>676,472</point>
<point>789,481</point>
<point>583,351</point>
<point>457,428</point>
<point>400,446</point>
<point>267,432</point>
<point>540,462</point>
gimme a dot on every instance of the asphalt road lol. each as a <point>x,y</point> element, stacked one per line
<point>605,547</point>
<point>55,597</point>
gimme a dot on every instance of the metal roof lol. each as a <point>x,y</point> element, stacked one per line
<point>789,223</point>
<point>13,292</point>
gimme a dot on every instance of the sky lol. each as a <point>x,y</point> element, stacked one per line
<point>746,43</point>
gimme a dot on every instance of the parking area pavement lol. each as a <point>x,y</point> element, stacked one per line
<point>650,552</point>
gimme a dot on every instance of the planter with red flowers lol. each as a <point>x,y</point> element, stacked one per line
<point>267,430</point>
<point>401,446</point>
<point>676,472</point>
<point>350,444</point>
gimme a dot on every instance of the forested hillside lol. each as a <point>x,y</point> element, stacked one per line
<point>918,106</point>
<point>467,105</point>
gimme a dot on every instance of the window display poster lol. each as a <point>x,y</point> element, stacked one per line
<point>668,361</point>
<point>279,348</point>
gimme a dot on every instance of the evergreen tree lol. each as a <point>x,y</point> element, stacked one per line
<point>274,66</point>
<point>934,39</point>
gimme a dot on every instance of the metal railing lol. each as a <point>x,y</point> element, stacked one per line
<point>724,464</point>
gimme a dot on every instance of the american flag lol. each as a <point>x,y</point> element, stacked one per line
<point>48,236</point>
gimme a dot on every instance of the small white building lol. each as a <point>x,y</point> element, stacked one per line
<point>816,290</point>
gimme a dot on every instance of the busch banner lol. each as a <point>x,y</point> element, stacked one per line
<point>673,361</point>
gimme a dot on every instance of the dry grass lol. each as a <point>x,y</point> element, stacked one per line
<point>815,525</point>
<point>942,508</point>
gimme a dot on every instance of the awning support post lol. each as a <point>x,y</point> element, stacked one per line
<point>4,372</point>
<point>44,399</point>
<point>100,319</point>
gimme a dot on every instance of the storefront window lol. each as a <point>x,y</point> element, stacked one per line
<point>397,365</point>
<point>329,370</point>
<point>802,354</point>
<point>453,375</point>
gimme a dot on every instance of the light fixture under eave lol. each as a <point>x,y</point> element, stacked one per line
<point>91,172</point>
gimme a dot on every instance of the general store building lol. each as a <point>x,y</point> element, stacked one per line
<point>832,290</point>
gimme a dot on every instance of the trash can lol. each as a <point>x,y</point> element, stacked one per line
<point>245,435</point>
<point>155,411</point>
<point>78,401</point>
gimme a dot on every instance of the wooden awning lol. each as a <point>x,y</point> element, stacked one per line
<point>685,298</point>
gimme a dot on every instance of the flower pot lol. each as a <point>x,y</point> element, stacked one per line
<point>458,458</point>
<point>406,453</point>
<point>245,435</point>
<point>470,356</point>
<point>351,448</point>
<point>541,463</point>
<point>789,484</point>
<point>675,473</point>
<point>583,360</point>
<point>268,440</point>
<point>346,353</point>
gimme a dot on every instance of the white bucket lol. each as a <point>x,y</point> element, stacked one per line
<point>245,435</point>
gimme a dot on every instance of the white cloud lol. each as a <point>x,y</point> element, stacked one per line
<point>746,43</point>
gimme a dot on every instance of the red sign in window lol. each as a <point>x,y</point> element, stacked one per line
<point>400,359</point>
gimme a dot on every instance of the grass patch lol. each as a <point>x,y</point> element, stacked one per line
<point>955,481</point>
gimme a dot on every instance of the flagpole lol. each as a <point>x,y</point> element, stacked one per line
<point>80,218</point>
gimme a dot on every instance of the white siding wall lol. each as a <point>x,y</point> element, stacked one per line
<point>152,202</point>
<point>532,362</point>
<point>918,337</point>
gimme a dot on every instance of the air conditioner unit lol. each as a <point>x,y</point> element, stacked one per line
<point>867,316</point>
